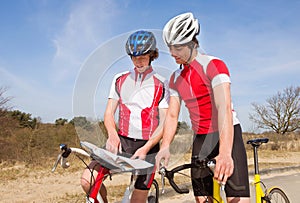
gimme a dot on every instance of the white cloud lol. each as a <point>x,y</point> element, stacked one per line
<point>89,24</point>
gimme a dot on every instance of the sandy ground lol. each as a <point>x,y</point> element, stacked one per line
<point>44,186</point>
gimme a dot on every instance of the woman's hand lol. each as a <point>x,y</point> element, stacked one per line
<point>113,144</point>
<point>141,153</point>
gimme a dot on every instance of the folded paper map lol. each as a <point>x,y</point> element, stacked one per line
<point>117,161</point>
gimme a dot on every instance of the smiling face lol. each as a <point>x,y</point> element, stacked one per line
<point>141,62</point>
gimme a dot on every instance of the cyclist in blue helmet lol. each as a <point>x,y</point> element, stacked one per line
<point>142,43</point>
<point>141,96</point>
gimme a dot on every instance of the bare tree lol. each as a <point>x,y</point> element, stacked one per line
<point>281,113</point>
<point>4,101</point>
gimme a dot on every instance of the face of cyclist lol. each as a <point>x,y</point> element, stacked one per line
<point>141,62</point>
<point>181,53</point>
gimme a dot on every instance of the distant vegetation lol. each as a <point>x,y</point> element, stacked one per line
<point>281,113</point>
<point>23,139</point>
<point>27,140</point>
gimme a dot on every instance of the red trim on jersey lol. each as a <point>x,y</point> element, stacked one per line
<point>194,87</point>
<point>150,115</point>
<point>124,112</point>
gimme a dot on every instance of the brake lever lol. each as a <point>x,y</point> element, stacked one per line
<point>162,172</point>
<point>62,157</point>
<point>56,163</point>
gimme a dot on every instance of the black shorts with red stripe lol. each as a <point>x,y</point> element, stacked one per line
<point>145,177</point>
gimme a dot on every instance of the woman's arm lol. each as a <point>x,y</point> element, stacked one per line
<point>113,141</point>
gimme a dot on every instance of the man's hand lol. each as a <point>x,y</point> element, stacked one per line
<point>224,168</point>
<point>162,157</point>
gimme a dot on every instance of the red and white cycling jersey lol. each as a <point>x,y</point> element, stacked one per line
<point>140,95</point>
<point>194,84</point>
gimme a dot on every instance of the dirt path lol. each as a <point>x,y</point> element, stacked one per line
<point>44,186</point>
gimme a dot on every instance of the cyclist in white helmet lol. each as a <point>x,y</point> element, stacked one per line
<point>203,83</point>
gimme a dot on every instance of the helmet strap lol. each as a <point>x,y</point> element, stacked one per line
<point>191,52</point>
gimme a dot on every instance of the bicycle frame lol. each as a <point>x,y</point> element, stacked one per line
<point>259,193</point>
<point>216,193</point>
<point>219,195</point>
<point>262,194</point>
<point>94,196</point>
<point>106,168</point>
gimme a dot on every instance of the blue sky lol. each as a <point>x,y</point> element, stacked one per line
<point>47,48</point>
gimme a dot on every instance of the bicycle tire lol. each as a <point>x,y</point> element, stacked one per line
<point>154,194</point>
<point>276,195</point>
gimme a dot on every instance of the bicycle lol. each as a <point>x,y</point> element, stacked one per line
<point>110,165</point>
<point>262,193</point>
<point>271,195</point>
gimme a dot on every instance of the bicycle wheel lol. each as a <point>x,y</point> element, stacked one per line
<point>276,195</point>
<point>153,193</point>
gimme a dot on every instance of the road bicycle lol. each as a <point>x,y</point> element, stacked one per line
<point>110,165</point>
<point>262,193</point>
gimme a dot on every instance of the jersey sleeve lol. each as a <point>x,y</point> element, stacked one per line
<point>172,87</point>
<point>217,72</point>
<point>165,101</point>
<point>112,93</point>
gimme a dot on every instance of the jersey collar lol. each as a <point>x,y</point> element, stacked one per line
<point>143,74</point>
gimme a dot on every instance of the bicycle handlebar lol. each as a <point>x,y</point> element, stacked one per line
<point>65,152</point>
<point>169,174</point>
<point>106,159</point>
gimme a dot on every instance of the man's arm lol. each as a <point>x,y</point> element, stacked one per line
<point>224,166</point>
<point>169,131</point>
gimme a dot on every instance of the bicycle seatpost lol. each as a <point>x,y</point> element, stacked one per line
<point>255,144</point>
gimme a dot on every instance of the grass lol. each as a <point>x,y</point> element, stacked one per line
<point>276,148</point>
<point>115,193</point>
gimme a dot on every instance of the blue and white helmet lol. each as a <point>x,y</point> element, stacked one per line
<point>140,43</point>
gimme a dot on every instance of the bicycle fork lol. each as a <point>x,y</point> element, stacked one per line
<point>95,196</point>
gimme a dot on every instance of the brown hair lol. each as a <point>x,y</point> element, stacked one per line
<point>153,54</point>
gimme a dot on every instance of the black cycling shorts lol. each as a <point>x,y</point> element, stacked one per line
<point>207,146</point>
<point>129,147</point>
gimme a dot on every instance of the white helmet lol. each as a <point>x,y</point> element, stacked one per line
<point>181,29</point>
